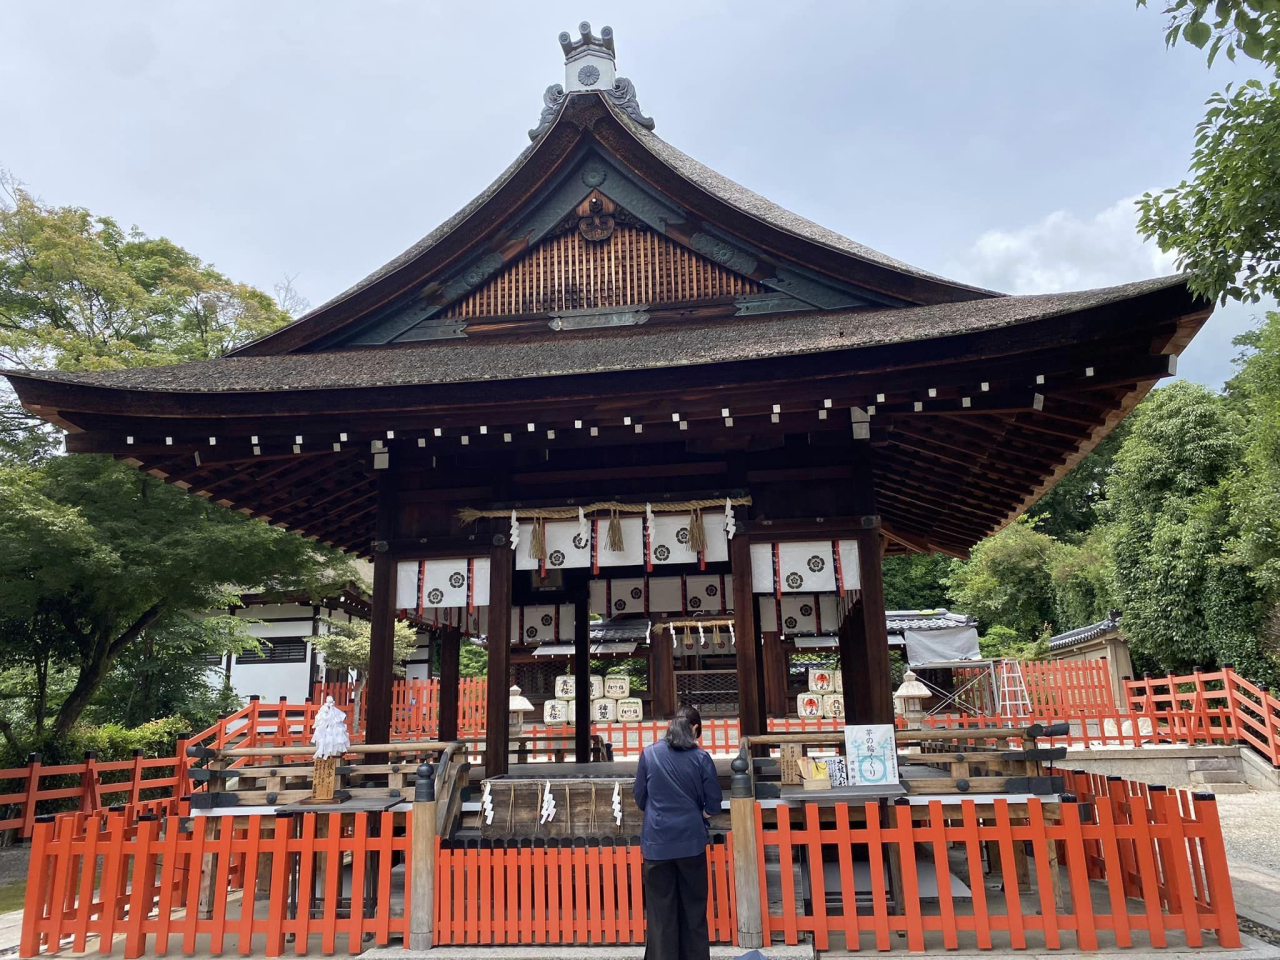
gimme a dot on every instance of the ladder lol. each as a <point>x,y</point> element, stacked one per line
<point>1014,702</point>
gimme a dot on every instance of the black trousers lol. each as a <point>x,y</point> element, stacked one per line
<point>675,894</point>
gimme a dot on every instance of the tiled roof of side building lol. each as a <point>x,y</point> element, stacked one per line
<point>1086,633</point>
<point>941,619</point>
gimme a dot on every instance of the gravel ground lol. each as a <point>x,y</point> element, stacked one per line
<point>1251,829</point>
<point>13,863</point>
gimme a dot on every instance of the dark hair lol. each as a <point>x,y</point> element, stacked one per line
<point>680,735</point>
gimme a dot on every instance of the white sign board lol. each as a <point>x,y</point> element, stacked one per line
<point>871,754</point>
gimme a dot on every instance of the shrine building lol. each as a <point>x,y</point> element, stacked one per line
<point>618,386</point>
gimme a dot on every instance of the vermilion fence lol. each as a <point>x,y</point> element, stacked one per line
<point>1211,706</point>
<point>564,893</point>
<point>1219,707</point>
<point>1126,865</point>
<point>134,879</point>
<point>1154,860</point>
<point>415,705</point>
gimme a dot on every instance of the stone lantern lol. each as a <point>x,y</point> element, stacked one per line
<point>517,706</point>
<point>908,700</point>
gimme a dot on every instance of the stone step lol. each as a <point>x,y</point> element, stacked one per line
<point>1223,788</point>
<point>1217,776</point>
<point>1216,763</point>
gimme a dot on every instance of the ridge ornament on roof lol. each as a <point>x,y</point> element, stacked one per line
<point>589,67</point>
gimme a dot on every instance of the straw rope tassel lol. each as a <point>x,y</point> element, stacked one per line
<point>538,541</point>
<point>697,533</point>
<point>614,537</point>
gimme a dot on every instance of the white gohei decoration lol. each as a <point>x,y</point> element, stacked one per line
<point>617,803</point>
<point>732,639</point>
<point>548,805</point>
<point>330,732</point>
<point>702,637</point>
<point>515,530</point>
<point>584,528</point>
<point>729,526</point>
<point>486,803</point>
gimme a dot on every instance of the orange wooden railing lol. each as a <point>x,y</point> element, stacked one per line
<point>415,705</point>
<point>148,887</point>
<point>1158,856</point>
<point>1207,707</point>
<point>1115,860</point>
<point>93,785</point>
<point>563,893</point>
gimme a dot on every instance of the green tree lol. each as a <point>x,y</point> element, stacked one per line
<point>79,292</point>
<point>915,581</point>
<point>1069,511</point>
<point>1006,580</point>
<point>1224,222</point>
<point>346,646</point>
<point>96,557</point>
<point>473,661</point>
<point>1187,599</point>
<point>1083,579</point>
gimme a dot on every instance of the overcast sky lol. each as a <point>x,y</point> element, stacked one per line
<point>1001,144</point>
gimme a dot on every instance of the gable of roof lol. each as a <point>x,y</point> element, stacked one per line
<point>593,145</point>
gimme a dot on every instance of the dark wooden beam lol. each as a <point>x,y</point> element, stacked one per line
<point>582,670</point>
<point>497,709</point>
<point>450,642</point>
<point>382,622</point>
<point>750,715</point>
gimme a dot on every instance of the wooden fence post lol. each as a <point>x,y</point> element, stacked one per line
<point>746,868</point>
<point>89,783</point>
<point>33,791</point>
<point>423,867</point>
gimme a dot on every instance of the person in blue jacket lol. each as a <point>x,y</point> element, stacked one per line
<point>677,790</point>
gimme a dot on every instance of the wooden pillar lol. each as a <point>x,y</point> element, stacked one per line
<point>382,617</point>
<point>497,719</point>
<point>750,714</point>
<point>877,691</point>
<point>423,895</point>
<point>662,675</point>
<point>746,856</point>
<point>775,675</point>
<point>582,672</point>
<point>864,639</point>
<point>450,641</point>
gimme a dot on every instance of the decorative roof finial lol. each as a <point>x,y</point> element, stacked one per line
<point>588,61</point>
<point>589,67</point>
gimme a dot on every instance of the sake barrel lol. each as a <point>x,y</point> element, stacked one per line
<point>809,705</point>
<point>618,687</point>
<point>820,680</point>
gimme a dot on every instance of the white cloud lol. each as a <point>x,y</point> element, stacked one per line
<point>1063,252</point>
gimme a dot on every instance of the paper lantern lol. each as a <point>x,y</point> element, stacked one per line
<point>556,711</point>
<point>631,709</point>
<point>833,706</point>
<point>809,705</point>
<point>604,710</point>
<point>821,679</point>
<point>617,686</point>
<point>564,687</point>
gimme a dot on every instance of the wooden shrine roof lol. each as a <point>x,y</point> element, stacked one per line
<point>517,347</point>
<point>648,347</point>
